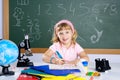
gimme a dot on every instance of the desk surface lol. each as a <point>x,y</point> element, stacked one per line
<point>113,74</point>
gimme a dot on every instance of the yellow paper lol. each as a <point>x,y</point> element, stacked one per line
<point>68,77</point>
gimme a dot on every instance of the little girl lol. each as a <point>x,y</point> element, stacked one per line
<point>64,43</point>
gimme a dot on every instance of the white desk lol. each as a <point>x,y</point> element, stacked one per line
<point>113,74</point>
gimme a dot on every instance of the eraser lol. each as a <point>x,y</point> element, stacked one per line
<point>93,74</point>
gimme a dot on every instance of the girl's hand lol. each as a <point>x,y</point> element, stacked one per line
<point>60,61</point>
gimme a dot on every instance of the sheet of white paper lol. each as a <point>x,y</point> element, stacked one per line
<point>64,66</point>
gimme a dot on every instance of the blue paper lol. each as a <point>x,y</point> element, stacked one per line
<point>57,72</point>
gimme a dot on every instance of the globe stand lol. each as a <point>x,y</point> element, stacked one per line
<point>5,71</point>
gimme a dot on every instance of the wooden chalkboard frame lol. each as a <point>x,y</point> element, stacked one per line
<point>42,50</point>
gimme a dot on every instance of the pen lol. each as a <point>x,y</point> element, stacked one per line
<point>59,55</point>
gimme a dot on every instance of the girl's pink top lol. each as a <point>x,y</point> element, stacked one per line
<point>68,54</point>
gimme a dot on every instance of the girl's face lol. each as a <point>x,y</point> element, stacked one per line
<point>65,36</point>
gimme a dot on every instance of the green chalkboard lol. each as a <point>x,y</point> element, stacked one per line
<point>97,21</point>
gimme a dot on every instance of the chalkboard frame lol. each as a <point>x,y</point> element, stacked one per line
<point>42,50</point>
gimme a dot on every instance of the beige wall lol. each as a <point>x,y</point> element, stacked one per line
<point>1,19</point>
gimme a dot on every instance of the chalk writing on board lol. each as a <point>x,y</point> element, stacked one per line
<point>50,29</point>
<point>48,9</point>
<point>83,8</point>
<point>18,15</point>
<point>39,8</point>
<point>23,2</point>
<point>34,29</point>
<point>72,9</point>
<point>81,39</point>
<point>93,20</point>
<point>111,9</point>
<point>29,24</point>
<point>98,20</point>
<point>62,8</point>
<point>95,38</point>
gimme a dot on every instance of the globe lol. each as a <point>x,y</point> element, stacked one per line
<point>8,52</point>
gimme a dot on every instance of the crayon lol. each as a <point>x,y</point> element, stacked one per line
<point>59,55</point>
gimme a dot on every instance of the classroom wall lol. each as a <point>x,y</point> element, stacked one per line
<point>1,19</point>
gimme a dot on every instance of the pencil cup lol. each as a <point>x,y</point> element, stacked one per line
<point>83,66</point>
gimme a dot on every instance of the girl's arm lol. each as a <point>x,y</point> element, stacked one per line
<point>83,55</point>
<point>47,57</point>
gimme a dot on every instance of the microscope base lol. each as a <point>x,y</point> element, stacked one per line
<point>24,64</point>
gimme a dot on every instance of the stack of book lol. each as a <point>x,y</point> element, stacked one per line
<point>44,72</point>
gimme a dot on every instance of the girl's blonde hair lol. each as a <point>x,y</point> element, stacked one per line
<point>61,25</point>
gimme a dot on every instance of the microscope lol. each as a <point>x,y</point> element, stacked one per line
<point>24,62</point>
